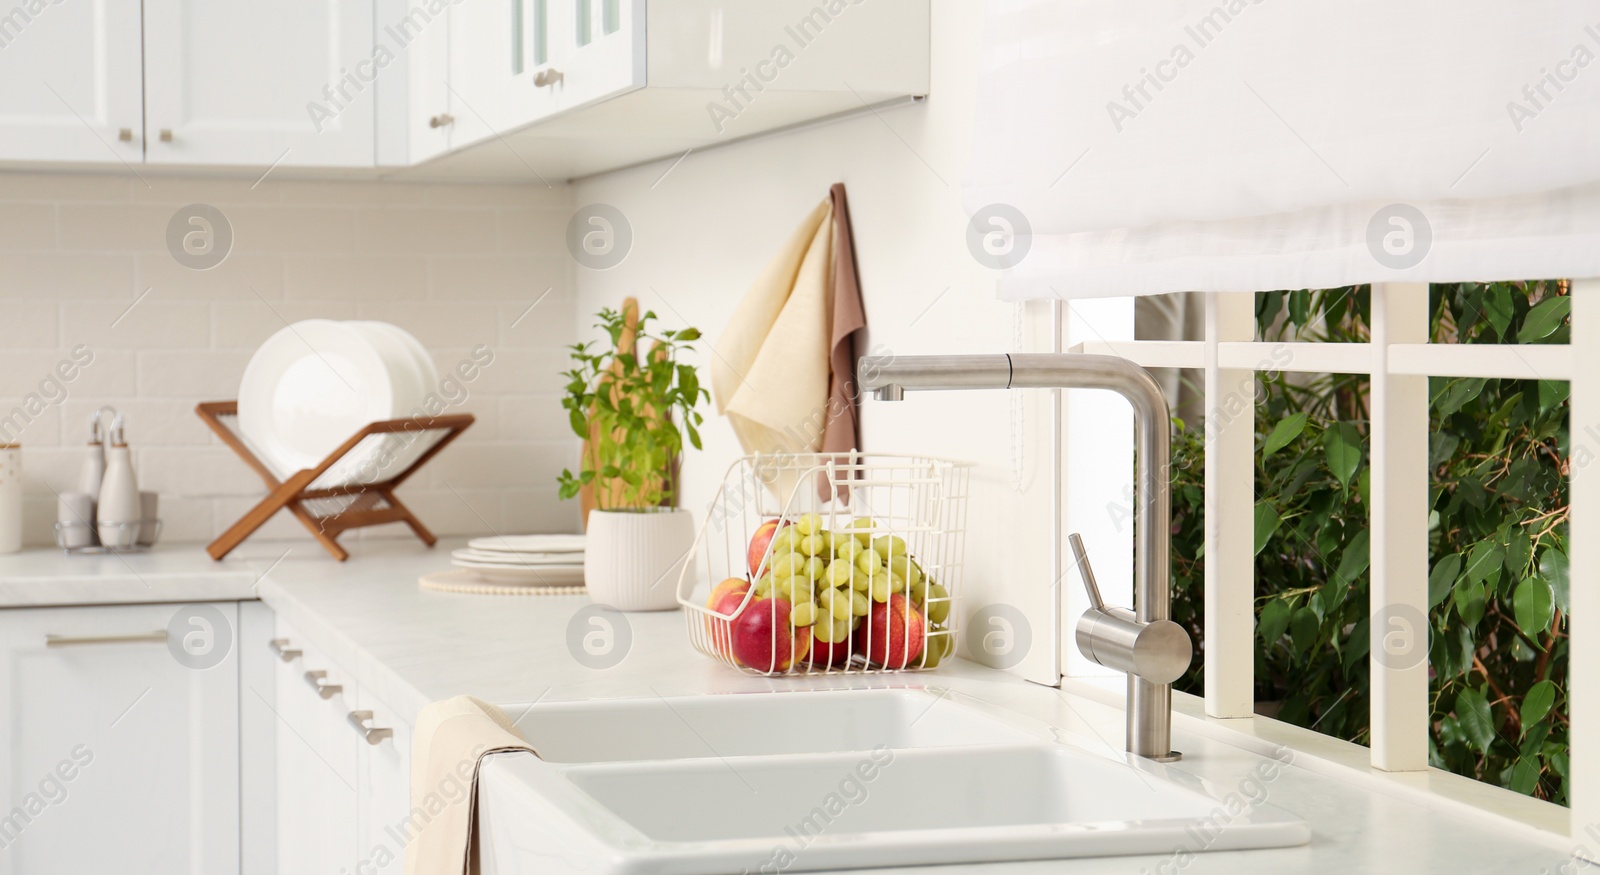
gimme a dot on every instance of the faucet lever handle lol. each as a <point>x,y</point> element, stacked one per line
<point>1081,557</point>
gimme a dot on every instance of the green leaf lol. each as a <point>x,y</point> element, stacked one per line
<point>1282,433</point>
<point>1544,318</point>
<point>1455,394</point>
<point>1552,393</point>
<point>1469,600</point>
<point>1353,561</point>
<point>1300,307</point>
<point>1267,522</point>
<point>1497,306</point>
<point>1477,720</point>
<point>1442,578</point>
<point>1525,775</point>
<point>1536,703</point>
<point>1274,620</point>
<point>1534,604</point>
<point>1303,629</point>
<point>1484,562</point>
<point>1519,549</point>
<point>1342,443</point>
<point>1553,568</point>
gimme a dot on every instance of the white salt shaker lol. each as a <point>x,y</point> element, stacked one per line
<point>117,514</point>
<point>10,498</point>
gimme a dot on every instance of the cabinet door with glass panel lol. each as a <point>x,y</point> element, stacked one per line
<point>516,62</point>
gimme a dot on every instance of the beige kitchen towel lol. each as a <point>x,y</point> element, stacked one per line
<point>448,745</point>
<point>848,317</point>
<point>774,373</point>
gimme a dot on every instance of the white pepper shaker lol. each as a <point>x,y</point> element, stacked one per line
<point>118,513</point>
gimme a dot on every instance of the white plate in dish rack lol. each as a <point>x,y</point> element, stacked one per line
<point>529,544</point>
<point>526,575</point>
<point>310,387</point>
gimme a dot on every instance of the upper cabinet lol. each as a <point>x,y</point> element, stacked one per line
<point>71,74</point>
<point>486,89</point>
<point>247,82</point>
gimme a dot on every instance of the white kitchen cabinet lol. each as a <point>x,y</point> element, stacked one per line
<point>415,108</point>
<point>117,757</point>
<point>315,755</point>
<point>386,825</point>
<point>71,82</point>
<point>242,82</point>
<point>516,63</point>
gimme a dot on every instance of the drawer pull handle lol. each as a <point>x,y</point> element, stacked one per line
<point>75,640</point>
<point>281,647</point>
<point>373,734</point>
<point>548,77</point>
<point>325,690</point>
<point>441,120</point>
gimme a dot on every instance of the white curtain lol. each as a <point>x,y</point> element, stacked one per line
<point>1166,145</point>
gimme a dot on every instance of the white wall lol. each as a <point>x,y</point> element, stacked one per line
<point>704,229</point>
<point>454,265</point>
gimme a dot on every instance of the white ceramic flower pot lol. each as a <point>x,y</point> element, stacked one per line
<point>632,558</point>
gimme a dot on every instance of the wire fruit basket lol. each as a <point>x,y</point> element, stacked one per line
<point>829,563</point>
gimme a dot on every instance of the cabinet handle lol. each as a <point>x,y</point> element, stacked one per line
<point>125,135</point>
<point>166,135</point>
<point>441,120</point>
<point>281,647</point>
<point>372,734</point>
<point>548,77</point>
<point>136,638</point>
<point>325,690</point>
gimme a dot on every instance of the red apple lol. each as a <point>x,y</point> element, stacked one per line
<point>764,640</point>
<point>759,543</point>
<point>725,599</point>
<point>826,655</point>
<point>894,633</point>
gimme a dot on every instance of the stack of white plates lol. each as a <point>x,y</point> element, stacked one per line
<point>529,560</point>
<point>315,383</point>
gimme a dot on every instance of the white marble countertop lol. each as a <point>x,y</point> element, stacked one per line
<point>409,646</point>
<point>168,573</point>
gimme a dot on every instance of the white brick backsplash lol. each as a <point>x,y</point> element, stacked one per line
<point>355,277</point>
<point>17,425</point>
<point>27,226</point>
<point>453,264</point>
<point>135,323</point>
<point>240,277</point>
<point>204,375</point>
<point>56,275</point>
<point>28,324</point>
<point>245,324</point>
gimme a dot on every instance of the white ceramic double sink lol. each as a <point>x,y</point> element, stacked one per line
<point>818,781</point>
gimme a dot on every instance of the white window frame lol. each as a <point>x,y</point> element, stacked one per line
<point>1399,359</point>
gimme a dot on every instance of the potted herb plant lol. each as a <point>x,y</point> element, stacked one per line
<point>633,411</point>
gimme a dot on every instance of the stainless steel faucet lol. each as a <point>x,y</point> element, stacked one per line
<point>1144,642</point>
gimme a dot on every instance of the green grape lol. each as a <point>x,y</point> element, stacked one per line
<point>808,523</point>
<point>938,603</point>
<point>848,549</point>
<point>787,564</point>
<point>799,589</point>
<point>890,546</point>
<point>803,613</point>
<point>787,538</point>
<point>839,574</point>
<point>859,605</point>
<point>933,652</point>
<point>763,586</point>
<point>813,569</point>
<point>880,589</point>
<point>919,590</point>
<point>896,583</point>
<point>829,541</point>
<point>811,545</point>
<point>863,533</point>
<point>836,602</point>
<point>861,580</point>
<point>869,561</point>
<point>907,568</point>
<point>832,631</point>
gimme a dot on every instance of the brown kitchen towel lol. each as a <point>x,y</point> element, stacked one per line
<point>448,745</point>
<point>842,434</point>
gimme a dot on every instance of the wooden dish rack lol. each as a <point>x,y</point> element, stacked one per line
<point>323,498</point>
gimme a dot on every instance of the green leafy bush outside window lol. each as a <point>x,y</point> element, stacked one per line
<point>1498,583</point>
